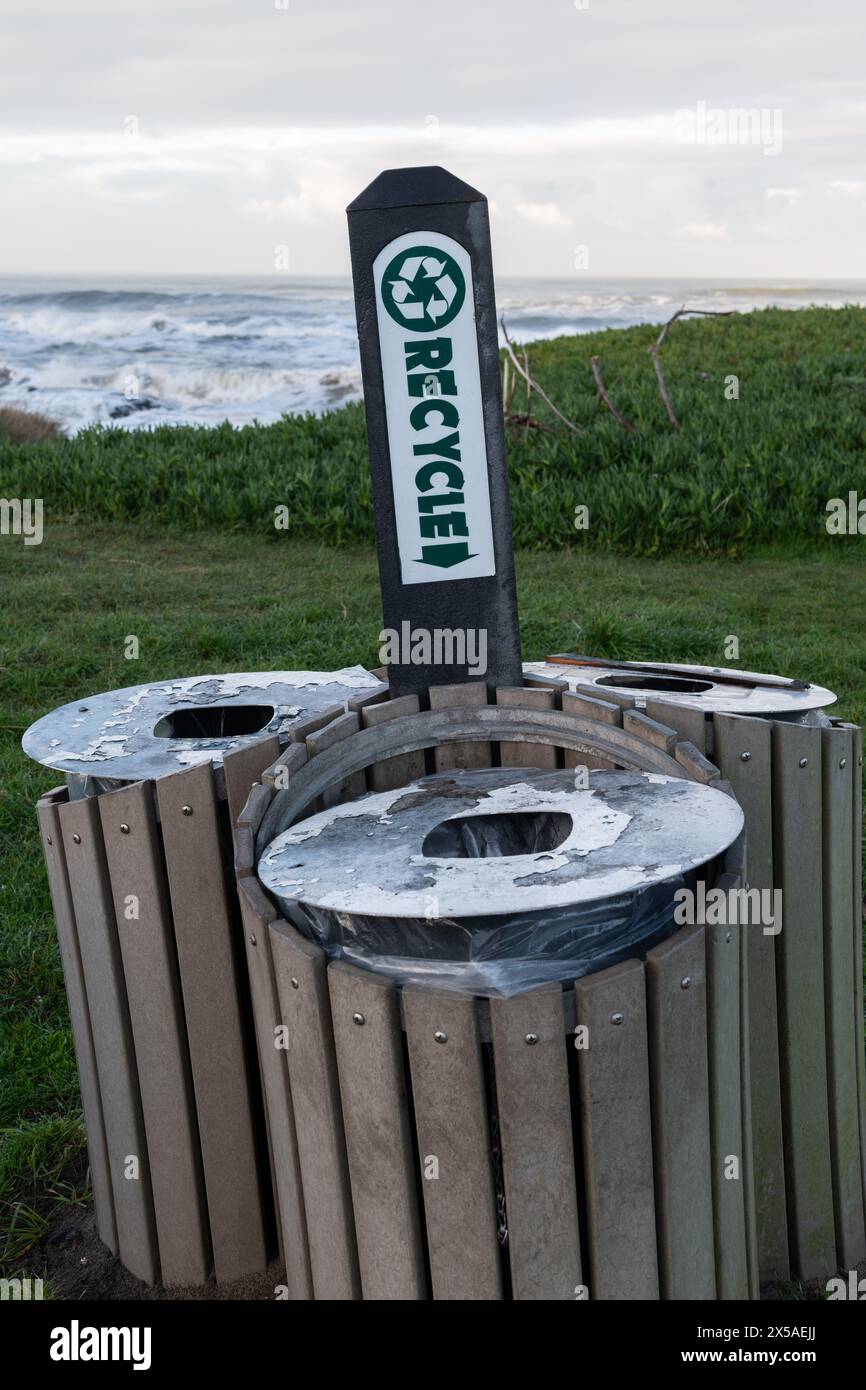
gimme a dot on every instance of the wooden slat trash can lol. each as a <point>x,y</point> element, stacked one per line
<point>797,773</point>
<point>584,1137</point>
<point>138,848</point>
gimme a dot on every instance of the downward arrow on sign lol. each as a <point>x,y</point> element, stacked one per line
<point>454,553</point>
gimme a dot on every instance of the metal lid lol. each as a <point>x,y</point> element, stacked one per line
<point>481,842</point>
<point>152,730</point>
<point>713,689</point>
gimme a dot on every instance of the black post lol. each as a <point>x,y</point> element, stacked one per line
<point>423,275</point>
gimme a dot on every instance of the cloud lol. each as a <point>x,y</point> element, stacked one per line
<point>543,214</point>
<point>251,118</point>
<point>791,196</point>
<point>702,231</point>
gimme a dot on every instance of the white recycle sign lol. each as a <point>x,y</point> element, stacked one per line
<point>406,285</point>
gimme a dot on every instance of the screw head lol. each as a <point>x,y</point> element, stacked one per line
<point>685,982</point>
<point>295,984</point>
<point>531,1039</point>
<point>616,1018</point>
<point>186,810</point>
<point>124,828</point>
<point>359,1019</point>
<point>729,936</point>
<point>440,1037</point>
<point>843,762</point>
<point>745,757</point>
<point>804,762</point>
<point>252,939</point>
<point>76,838</point>
<point>49,839</point>
<point>82,709</point>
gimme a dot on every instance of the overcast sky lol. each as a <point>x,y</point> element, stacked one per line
<point>196,136</point>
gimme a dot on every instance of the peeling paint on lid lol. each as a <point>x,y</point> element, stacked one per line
<point>713,696</point>
<point>623,833</point>
<point>112,734</point>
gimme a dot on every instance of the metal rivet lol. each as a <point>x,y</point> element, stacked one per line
<point>745,757</point>
<point>685,981</point>
<point>843,762</point>
<point>252,940</point>
<point>186,810</point>
<point>49,839</point>
<point>729,936</point>
<point>295,984</point>
<point>82,709</point>
<point>77,839</point>
<point>804,762</point>
<point>124,828</point>
<point>532,1039</point>
<point>359,1019</point>
<point>440,1036</point>
<point>616,1018</point>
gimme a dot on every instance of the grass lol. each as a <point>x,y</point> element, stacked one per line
<point>740,474</point>
<point>212,602</point>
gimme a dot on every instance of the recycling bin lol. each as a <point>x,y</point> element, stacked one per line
<point>492,1029</point>
<point>138,848</point>
<point>797,773</point>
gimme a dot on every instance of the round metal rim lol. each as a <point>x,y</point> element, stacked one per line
<point>457,723</point>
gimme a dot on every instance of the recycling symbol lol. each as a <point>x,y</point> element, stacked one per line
<point>423,289</point>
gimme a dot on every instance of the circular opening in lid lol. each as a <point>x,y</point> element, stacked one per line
<point>674,685</point>
<point>497,836</point>
<point>214,721</point>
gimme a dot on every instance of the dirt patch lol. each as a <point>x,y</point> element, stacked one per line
<point>78,1266</point>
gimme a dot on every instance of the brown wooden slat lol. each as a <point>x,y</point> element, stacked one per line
<point>300,732</point>
<point>451,1120</point>
<point>245,766</point>
<point>378,1134</point>
<point>541,755</point>
<point>729,1165</point>
<point>691,725</point>
<point>800,976</point>
<point>533,681</point>
<point>302,985</point>
<point>361,702</point>
<point>48,814</point>
<point>456,755</point>
<point>406,767</point>
<point>677,1014</point>
<point>112,1036</point>
<point>616,1127</point>
<point>744,755</point>
<point>746,1091</point>
<point>660,735</point>
<point>840,994</point>
<point>588,707</point>
<point>159,1030</point>
<point>535,1123</point>
<point>326,737</point>
<point>606,693</point>
<point>257,913</point>
<point>696,765</point>
<point>857,901</point>
<point>216,1004</point>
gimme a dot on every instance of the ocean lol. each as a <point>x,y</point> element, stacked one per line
<point>136,353</point>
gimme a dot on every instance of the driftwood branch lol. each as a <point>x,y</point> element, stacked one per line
<point>532,384</point>
<point>655,353</point>
<point>512,417</point>
<point>603,396</point>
